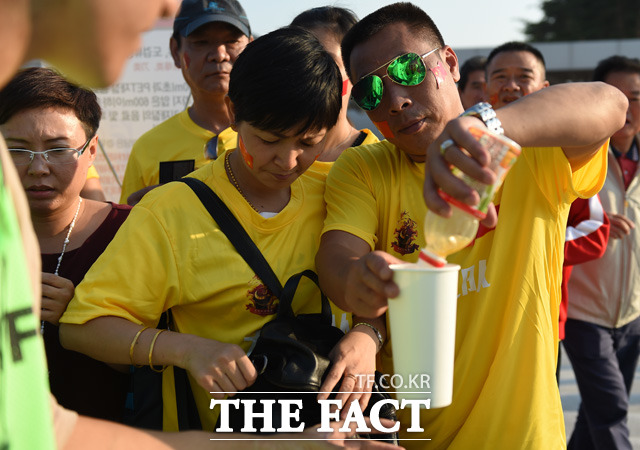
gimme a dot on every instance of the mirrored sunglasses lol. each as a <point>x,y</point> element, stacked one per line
<point>407,70</point>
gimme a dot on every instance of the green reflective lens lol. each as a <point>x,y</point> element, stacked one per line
<point>367,93</point>
<point>406,70</point>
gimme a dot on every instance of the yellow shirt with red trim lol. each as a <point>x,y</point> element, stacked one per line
<point>170,254</point>
<point>505,393</point>
<point>177,138</point>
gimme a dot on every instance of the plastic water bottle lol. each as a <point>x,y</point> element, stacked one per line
<point>445,236</point>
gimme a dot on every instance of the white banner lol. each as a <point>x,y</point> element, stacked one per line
<point>150,90</point>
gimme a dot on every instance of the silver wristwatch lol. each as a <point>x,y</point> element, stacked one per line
<point>484,111</point>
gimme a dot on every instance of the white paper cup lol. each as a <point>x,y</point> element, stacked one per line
<point>423,331</point>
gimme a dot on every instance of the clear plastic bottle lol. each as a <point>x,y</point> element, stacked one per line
<point>445,236</point>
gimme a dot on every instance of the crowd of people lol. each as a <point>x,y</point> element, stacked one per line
<point>156,283</point>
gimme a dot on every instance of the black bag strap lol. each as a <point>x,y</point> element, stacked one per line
<point>289,291</point>
<point>236,234</point>
<point>245,246</point>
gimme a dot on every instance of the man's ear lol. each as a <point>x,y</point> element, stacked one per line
<point>545,84</point>
<point>175,53</point>
<point>232,112</point>
<point>451,59</point>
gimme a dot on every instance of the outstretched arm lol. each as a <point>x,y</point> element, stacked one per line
<point>579,117</point>
<point>216,366</point>
<point>353,277</point>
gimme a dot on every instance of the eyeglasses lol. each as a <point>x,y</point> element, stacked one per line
<point>407,70</point>
<point>23,157</point>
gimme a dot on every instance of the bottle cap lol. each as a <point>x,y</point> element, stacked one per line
<point>432,258</point>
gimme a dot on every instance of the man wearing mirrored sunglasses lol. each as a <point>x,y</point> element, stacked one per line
<point>504,394</point>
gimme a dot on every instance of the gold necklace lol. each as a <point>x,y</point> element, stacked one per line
<point>230,174</point>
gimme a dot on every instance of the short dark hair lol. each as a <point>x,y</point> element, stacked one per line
<point>515,46</point>
<point>471,65</point>
<point>616,63</point>
<point>412,16</point>
<point>40,87</point>
<point>285,80</point>
<point>334,19</point>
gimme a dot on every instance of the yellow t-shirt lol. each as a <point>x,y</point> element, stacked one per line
<point>505,394</point>
<point>177,138</point>
<point>170,254</point>
<point>366,196</point>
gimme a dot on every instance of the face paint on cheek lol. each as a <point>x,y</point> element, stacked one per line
<point>186,59</point>
<point>384,129</point>
<point>439,74</point>
<point>345,86</point>
<point>248,159</point>
<point>493,99</point>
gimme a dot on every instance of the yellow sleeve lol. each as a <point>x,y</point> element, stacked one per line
<point>136,277</point>
<point>350,199</point>
<point>552,172</point>
<point>589,179</point>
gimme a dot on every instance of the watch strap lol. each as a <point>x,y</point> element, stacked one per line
<point>485,112</point>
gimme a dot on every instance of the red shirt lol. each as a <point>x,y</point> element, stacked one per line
<point>586,239</point>
<point>628,163</point>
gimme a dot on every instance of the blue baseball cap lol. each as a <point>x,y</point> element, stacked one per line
<point>195,13</point>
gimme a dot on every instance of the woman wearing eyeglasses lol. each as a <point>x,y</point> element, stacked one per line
<point>50,128</point>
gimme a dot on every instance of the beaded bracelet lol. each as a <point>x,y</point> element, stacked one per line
<point>153,343</point>
<point>375,330</point>
<point>133,344</point>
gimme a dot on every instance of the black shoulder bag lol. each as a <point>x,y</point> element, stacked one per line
<point>291,354</point>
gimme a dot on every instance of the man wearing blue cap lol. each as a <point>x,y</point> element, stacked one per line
<point>207,38</point>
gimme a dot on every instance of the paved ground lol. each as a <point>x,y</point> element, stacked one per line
<point>571,400</point>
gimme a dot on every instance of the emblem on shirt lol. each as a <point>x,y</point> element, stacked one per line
<point>261,300</point>
<point>405,235</point>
